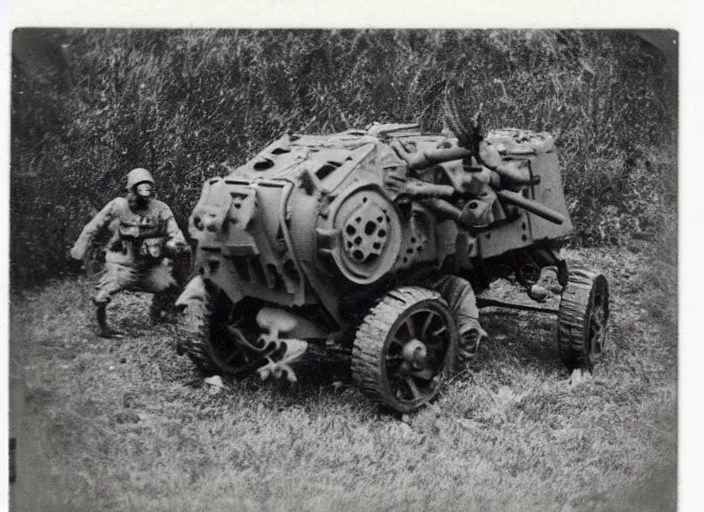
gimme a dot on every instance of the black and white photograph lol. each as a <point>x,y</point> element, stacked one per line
<point>343,269</point>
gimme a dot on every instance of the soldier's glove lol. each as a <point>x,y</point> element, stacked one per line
<point>76,253</point>
<point>73,263</point>
<point>176,249</point>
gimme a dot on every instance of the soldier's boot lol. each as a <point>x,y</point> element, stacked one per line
<point>105,331</point>
<point>154,314</point>
<point>469,343</point>
<point>161,309</point>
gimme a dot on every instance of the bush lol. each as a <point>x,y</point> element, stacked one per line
<point>181,102</point>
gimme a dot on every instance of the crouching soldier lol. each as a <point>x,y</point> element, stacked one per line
<point>139,257</point>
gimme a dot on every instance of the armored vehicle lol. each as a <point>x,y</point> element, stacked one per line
<point>327,243</point>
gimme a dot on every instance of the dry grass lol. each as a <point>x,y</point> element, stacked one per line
<point>128,426</point>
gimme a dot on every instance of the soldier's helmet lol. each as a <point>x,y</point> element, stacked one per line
<point>137,176</point>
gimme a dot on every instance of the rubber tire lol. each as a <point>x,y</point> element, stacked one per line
<point>368,362</point>
<point>574,317</point>
<point>194,326</point>
<point>198,324</point>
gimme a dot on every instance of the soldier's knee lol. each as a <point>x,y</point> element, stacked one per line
<point>160,278</point>
<point>101,298</point>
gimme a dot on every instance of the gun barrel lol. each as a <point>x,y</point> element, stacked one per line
<point>422,159</point>
<point>417,188</point>
<point>438,156</point>
<point>513,173</point>
<point>532,206</point>
<point>445,209</point>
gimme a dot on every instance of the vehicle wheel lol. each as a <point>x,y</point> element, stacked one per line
<point>405,349</point>
<point>209,340</point>
<point>582,318</point>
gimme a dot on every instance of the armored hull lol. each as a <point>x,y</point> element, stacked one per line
<point>301,243</point>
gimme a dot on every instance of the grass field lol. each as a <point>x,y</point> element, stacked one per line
<point>128,425</point>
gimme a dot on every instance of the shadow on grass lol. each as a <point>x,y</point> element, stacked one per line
<point>519,345</point>
<point>518,341</point>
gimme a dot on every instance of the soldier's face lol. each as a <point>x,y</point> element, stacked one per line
<point>144,190</point>
<point>142,193</point>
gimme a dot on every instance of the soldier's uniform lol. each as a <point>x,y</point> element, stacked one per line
<point>459,295</point>
<point>136,256</point>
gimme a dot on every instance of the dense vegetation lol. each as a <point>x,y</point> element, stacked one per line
<point>88,105</point>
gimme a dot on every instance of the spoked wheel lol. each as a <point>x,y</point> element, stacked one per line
<point>212,342</point>
<point>583,318</point>
<point>405,349</point>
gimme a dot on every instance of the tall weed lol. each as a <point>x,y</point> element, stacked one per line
<point>181,102</point>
